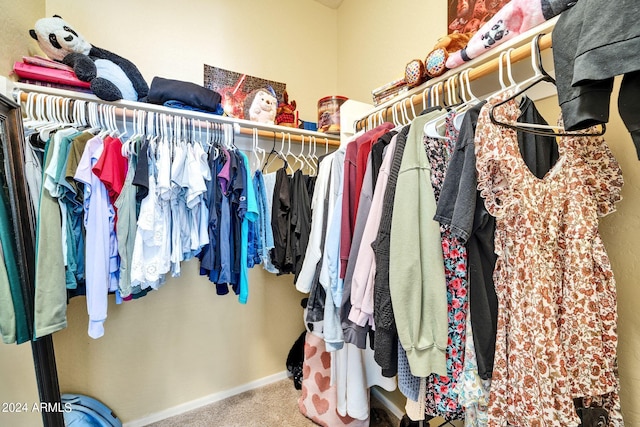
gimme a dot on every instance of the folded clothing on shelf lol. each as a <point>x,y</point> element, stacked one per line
<point>47,74</point>
<point>191,94</point>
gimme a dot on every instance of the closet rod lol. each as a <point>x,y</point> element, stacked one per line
<point>475,73</point>
<point>246,126</point>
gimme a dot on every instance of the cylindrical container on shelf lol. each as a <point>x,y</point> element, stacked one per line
<point>329,114</point>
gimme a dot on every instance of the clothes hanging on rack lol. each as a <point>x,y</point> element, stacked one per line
<point>50,298</point>
<point>591,46</point>
<point>232,205</point>
<point>307,279</point>
<point>364,269</point>
<point>269,190</point>
<point>102,269</point>
<point>143,206</point>
<point>442,390</point>
<point>14,327</point>
<point>551,265</point>
<point>300,220</point>
<point>441,172</point>
<point>386,341</point>
<point>282,256</point>
<point>355,166</point>
<point>264,191</point>
<point>416,273</point>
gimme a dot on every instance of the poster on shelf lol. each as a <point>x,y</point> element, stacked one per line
<point>234,88</point>
<point>467,16</point>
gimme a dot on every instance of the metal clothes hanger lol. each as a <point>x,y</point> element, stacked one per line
<point>540,75</point>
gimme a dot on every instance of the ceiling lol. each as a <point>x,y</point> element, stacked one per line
<point>333,4</point>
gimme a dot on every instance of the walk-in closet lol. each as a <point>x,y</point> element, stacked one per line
<point>434,224</point>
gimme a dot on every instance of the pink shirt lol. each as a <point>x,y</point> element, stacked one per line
<point>356,155</point>
<point>365,270</point>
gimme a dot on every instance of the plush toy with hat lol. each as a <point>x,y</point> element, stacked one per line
<point>112,77</point>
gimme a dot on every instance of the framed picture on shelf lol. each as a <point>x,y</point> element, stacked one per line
<point>467,16</point>
<point>234,88</point>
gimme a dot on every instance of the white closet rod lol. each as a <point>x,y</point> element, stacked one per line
<point>246,126</point>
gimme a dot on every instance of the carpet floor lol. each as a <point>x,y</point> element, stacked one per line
<point>274,405</point>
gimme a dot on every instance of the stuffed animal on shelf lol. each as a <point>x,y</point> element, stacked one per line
<point>513,19</point>
<point>434,63</point>
<point>260,106</point>
<point>112,77</point>
<point>285,114</point>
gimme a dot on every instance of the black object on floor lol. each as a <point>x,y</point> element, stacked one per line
<point>379,418</point>
<point>407,422</point>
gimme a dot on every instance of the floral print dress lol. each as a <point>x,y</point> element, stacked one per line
<point>442,391</point>
<point>556,334</point>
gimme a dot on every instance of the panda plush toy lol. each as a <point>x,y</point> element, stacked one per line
<point>111,76</point>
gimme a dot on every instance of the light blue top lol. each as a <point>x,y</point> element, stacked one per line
<point>99,218</point>
<point>250,215</point>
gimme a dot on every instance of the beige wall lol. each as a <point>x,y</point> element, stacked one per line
<point>15,21</point>
<point>378,37</point>
<point>18,385</point>
<point>621,232</point>
<point>17,374</point>
<point>180,343</point>
<point>289,41</point>
<point>184,342</point>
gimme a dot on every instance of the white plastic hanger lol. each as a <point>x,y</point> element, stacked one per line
<point>254,149</point>
<point>469,98</point>
<point>431,127</point>
<point>413,108</point>
<point>313,156</point>
<point>404,113</point>
<point>394,115</point>
<point>425,100</point>
<point>126,150</point>
<point>31,110</point>
<point>307,157</point>
<point>369,123</point>
<point>290,154</point>
<point>54,117</point>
